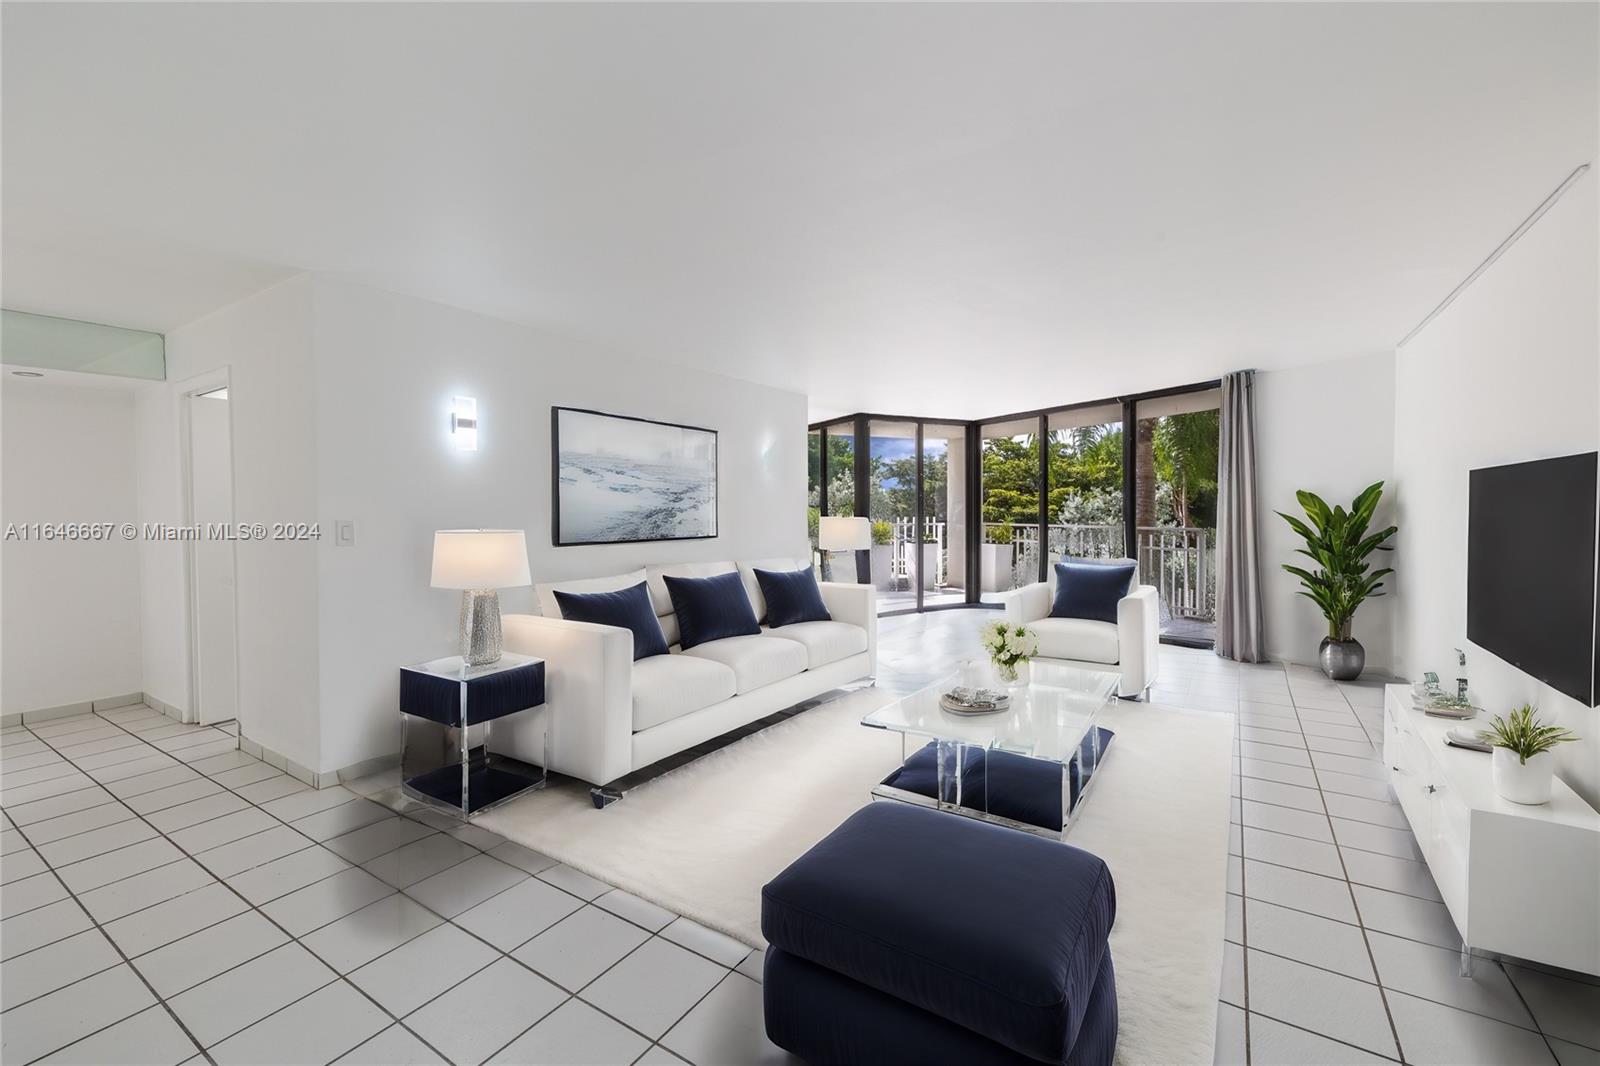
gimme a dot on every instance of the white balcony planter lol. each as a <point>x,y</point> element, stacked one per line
<point>1528,783</point>
<point>928,571</point>
<point>882,560</point>
<point>994,564</point>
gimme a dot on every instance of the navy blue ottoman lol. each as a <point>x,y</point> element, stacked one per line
<point>911,936</point>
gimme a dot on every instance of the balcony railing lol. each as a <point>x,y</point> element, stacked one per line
<point>1179,560</point>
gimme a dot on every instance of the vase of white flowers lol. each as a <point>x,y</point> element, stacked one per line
<point>1010,647</point>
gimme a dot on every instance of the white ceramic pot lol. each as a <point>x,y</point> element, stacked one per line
<point>881,560</point>
<point>1528,783</point>
<point>995,566</point>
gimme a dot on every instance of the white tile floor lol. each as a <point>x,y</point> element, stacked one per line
<point>1338,948</point>
<point>168,898</point>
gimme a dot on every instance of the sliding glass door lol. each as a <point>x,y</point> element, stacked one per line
<point>896,567</point>
<point>944,513</point>
<point>962,512</point>
<point>1085,475</point>
<point>836,482</point>
<point>1009,479</point>
<point>813,488</point>
<point>1175,517</point>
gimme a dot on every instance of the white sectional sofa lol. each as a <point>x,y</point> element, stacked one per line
<point>609,715</point>
<point>1130,646</point>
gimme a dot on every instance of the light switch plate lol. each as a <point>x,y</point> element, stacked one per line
<point>344,533</point>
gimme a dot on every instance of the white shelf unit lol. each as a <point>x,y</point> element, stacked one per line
<point>1518,880</point>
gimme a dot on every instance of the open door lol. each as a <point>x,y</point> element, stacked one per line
<point>211,558</point>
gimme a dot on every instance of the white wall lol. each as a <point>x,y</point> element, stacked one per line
<point>264,344</point>
<point>340,397</point>
<point>1509,372</point>
<point>70,608</point>
<point>163,587</point>
<point>1328,428</point>
<point>387,367</point>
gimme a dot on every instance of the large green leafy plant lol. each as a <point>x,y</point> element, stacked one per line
<point>1339,543</point>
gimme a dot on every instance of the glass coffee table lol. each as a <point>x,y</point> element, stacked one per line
<point>1028,766</point>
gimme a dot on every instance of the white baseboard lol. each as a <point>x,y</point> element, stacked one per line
<point>325,779</point>
<point>67,710</point>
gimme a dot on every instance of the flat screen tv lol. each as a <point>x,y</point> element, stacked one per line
<point>1531,533</point>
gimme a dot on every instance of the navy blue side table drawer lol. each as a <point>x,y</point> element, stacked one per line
<point>491,693</point>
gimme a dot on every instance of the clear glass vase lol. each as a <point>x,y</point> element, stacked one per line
<point>1013,675</point>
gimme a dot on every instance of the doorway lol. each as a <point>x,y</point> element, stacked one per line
<point>213,629</point>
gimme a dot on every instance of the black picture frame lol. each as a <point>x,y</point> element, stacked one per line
<point>556,537</point>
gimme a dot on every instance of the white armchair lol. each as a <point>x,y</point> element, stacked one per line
<point>1130,646</point>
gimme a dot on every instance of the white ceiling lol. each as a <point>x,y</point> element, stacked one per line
<point>943,209</point>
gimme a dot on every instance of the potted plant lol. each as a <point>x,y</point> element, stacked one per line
<point>1523,768</point>
<point>882,553</point>
<point>1010,647</point>
<point>995,557</point>
<point>926,562</point>
<point>1338,542</point>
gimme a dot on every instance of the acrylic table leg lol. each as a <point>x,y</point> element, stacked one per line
<point>1465,967</point>
<point>949,755</point>
<point>463,747</point>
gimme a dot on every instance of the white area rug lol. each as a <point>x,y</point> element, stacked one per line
<point>703,839</point>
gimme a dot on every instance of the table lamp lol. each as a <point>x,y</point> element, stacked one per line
<point>843,534</point>
<point>479,562</point>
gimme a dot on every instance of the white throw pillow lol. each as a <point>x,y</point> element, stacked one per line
<point>546,593</point>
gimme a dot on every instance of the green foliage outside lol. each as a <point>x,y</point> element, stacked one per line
<point>841,472</point>
<point>1085,477</point>
<point>1086,474</point>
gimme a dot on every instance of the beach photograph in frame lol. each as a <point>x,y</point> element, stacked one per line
<point>620,479</point>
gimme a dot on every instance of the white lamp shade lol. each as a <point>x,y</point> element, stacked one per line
<point>480,559</point>
<point>841,534</point>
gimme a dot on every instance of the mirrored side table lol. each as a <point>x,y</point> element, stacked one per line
<point>447,710</point>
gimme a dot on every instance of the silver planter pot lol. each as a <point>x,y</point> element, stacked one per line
<point>1342,660</point>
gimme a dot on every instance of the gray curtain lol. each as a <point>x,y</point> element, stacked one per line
<point>1239,625</point>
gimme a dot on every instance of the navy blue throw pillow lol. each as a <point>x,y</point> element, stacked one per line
<point>792,596</point>
<point>626,608</point>
<point>1090,590</point>
<point>711,608</point>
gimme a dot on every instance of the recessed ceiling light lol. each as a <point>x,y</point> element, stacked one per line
<point>27,374</point>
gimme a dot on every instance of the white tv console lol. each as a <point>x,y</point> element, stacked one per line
<point>1520,881</point>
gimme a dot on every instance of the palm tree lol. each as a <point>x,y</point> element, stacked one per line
<point>1189,444</point>
<point>1144,482</point>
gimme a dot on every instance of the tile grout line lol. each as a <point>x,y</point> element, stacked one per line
<point>397,891</point>
<point>205,1049</point>
<point>1244,902</point>
<point>1366,941</point>
<point>126,961</point>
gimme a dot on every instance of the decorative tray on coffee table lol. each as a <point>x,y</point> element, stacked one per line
<point>961,700</point>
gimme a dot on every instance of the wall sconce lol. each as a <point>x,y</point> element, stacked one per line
<point>464,422</point>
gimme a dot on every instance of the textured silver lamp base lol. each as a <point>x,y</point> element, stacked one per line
<point>480,626</point>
